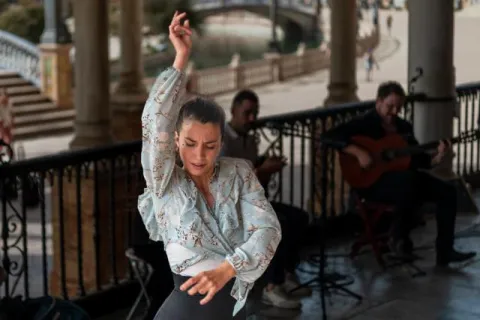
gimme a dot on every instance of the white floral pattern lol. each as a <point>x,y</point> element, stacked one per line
<point>241,228</point>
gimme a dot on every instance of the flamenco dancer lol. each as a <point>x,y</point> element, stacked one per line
<point>219,230</point>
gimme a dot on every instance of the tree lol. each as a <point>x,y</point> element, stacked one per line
<point>3,5</point>
<point>26,22</point>
<point>113,17</point>
<point>159,13</point>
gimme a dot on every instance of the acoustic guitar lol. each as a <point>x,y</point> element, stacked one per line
<point>391,153</point>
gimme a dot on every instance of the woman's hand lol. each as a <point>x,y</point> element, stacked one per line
<point>180,36</point>
<point>209,282</point>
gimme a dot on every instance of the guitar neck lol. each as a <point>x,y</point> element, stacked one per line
<point>414,150</point>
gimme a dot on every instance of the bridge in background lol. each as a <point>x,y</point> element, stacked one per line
<point>298,18</point>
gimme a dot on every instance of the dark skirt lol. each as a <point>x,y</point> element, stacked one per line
<point>182,306</point>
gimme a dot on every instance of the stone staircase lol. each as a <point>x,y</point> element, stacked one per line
<point>34,114</point>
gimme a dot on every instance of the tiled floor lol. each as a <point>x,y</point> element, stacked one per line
<point>440,295</point>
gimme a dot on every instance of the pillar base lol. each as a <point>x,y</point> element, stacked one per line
<point>96,236</point>
<point>340,190</point>
<point>88,135</point>
<point>339,93</point>
<point>130,84</point>
<point>56,73</point>
<point>126,118</point>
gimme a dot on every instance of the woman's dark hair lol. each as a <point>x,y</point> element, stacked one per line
<point>387,88</point>
<point>202,110</point>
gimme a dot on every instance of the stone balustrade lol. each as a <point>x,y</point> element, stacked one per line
<point>270,69</point>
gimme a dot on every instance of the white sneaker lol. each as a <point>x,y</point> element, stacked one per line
<point>291,284</point>
<point>277,297</point>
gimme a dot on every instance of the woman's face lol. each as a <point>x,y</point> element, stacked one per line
<point>198,145</point>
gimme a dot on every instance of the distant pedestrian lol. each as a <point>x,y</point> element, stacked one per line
<point>370,62</point>
<point>389,24</point>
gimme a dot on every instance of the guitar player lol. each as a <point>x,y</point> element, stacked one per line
<point>407,189</point>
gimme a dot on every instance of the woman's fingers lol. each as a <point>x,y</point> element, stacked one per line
<point>179,30</point>
<point>201,286</point>
<point>211,293</point>
<point>177,19</point>
<point>190,282</point>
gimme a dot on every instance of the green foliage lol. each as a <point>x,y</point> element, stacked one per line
<point>24,21</point>
<point>36,26</point>
<point>3,5</point>
<point>114,17</point>
<point>159,13</point>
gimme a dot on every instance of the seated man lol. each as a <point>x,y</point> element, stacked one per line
<point>280,274</point>
<point>406,190</point>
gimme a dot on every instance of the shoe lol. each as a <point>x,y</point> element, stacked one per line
<point>277,297</point>
<point>3,275</point>
<point>453,257</point>
<point>402,249</point>
<point>291,284</point>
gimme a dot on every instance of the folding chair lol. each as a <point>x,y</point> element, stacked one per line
<point>143,272</point>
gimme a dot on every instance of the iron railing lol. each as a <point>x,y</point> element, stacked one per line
<point>20,55</point>
<point>72,243</point>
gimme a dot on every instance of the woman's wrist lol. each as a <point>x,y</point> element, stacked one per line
<point>180,62</point>
<point>228,269</point>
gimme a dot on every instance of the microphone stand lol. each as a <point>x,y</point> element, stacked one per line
<point>325,282</point>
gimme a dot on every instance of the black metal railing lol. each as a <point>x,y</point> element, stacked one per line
<point>65,221</point>
<point>65,218</point>
<point>292,134</point>
<point>20,55</point>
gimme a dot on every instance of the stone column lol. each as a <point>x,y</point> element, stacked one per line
<point>55,66</point>
<point>342,89</point>
<point>130,93</point>
<point>92,83</point>
<point>273,45</point>
<point>316,30</point>
<point>431,49</point>
<point>343,64</point>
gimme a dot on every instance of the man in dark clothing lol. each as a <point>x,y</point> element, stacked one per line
<point>239,143</point>
<point>161,282</point>
<point>406,190</point>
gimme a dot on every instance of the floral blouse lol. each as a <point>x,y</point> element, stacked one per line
<point>241,228</point>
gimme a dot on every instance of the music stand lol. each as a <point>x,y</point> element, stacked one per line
<point>325,282</point>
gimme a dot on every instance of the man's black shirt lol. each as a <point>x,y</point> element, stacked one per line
<point>370,125</point>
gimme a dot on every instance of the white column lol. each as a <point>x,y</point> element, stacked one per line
<point>131,21</point>
<point>343,64</point>
<point>431,34</point>
<point>92,84</point>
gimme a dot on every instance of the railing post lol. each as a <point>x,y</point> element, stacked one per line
<point>55,64</point>
<point>56,73</point>
<point>275,60</point>
<point>237,70</point>
<point>301,50</point>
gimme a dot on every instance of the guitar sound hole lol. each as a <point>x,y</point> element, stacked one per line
<point>388,155</point>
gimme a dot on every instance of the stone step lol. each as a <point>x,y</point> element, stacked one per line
<point>43,130</point>
<point>28,99</point>
<point>22,90</point>
<point>4,74</point>
<point>46,117</point>
<point>34,108</point>
<point>13,82</point>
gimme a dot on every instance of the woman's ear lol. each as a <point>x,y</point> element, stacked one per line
<point>177,140</point>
